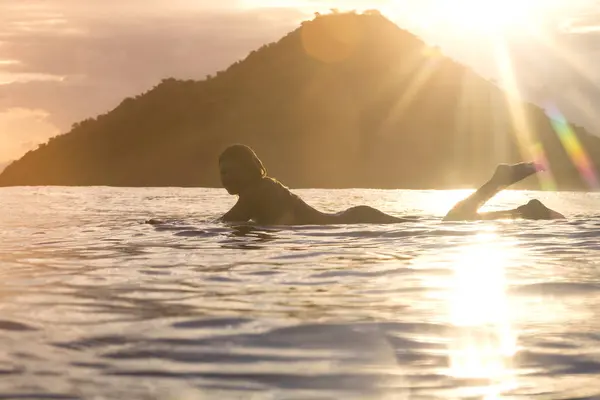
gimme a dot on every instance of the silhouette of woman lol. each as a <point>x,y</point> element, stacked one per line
<point>266,201</point>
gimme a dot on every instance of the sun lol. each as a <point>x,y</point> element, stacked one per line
<point>490,16</point>
<point>486,17</point>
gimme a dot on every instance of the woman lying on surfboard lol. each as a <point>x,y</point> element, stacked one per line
<point>266,201</point>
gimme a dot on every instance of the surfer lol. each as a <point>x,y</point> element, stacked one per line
<point>267,201</point>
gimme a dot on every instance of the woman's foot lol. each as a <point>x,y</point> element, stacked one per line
<point>506,175</point>
<point>535,209</point>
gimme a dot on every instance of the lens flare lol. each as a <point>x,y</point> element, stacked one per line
<point>573,147</point>
<point>546,178</point>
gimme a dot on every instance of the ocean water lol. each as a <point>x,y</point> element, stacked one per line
<point>96,304</point>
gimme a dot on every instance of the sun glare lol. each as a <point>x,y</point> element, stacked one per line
<point>490,15</point>
<point>484,342</point>
<point>484,16</point>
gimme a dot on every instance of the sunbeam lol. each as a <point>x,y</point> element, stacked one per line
<point>524,133</point>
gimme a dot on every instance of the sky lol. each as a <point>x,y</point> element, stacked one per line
<point>62,61</point>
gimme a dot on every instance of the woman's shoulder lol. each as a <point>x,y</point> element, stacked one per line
<point>271,189</point>
<point>272,183</point>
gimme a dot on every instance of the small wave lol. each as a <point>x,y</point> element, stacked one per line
<point>211,323</point>
<point>15,326</point>
<point>556,289</point>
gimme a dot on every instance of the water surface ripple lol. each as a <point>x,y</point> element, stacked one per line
<point>97,304</point>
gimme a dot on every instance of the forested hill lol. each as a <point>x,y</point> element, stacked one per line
<point>345,100</point>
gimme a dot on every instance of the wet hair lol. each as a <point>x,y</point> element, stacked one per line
<point>246,156</point>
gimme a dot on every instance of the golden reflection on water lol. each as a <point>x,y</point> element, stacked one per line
<point>484,343</point>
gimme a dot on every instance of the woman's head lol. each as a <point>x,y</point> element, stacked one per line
<point>240,167</point>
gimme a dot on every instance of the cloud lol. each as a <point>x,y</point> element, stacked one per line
<point>8,77</point>
<point>77,62</point>
<point>73,59</point>
<point>122,46</point>
<point>582,24</point>
<point>582,29</point>
<point>21,129</point>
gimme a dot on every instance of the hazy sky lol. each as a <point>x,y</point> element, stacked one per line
<point>64,60</point>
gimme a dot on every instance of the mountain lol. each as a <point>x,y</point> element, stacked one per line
<point>345,100</point>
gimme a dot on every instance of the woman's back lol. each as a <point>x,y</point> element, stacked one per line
<point>272,203</point>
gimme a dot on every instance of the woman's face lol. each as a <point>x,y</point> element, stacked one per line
<point>235,176</point>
